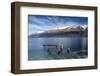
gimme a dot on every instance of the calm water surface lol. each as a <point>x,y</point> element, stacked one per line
<point>78,48</point>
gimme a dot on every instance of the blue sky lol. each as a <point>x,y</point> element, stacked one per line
<point>39,23</point>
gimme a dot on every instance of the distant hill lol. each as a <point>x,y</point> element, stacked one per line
<point>73,31</point>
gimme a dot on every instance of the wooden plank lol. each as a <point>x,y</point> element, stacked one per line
<point>50,45</point>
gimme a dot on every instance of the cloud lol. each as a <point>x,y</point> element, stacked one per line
<point>38,23</point>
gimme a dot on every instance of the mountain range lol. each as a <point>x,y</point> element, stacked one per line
<point>73,31</point>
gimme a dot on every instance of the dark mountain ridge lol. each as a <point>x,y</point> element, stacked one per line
<point>77,31</point>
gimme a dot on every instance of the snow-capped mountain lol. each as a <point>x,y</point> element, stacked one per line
<point>68,28</point>
<point>63,31</point>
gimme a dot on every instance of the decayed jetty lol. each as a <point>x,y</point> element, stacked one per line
<point>60,48</point>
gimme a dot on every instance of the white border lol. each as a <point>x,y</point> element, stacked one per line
<point>25,64</point>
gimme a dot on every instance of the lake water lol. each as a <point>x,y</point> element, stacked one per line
<point>73,48</point>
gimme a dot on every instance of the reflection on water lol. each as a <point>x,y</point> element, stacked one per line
<point>73,48</point>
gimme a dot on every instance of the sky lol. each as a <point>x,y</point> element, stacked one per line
<point>40,23</point>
